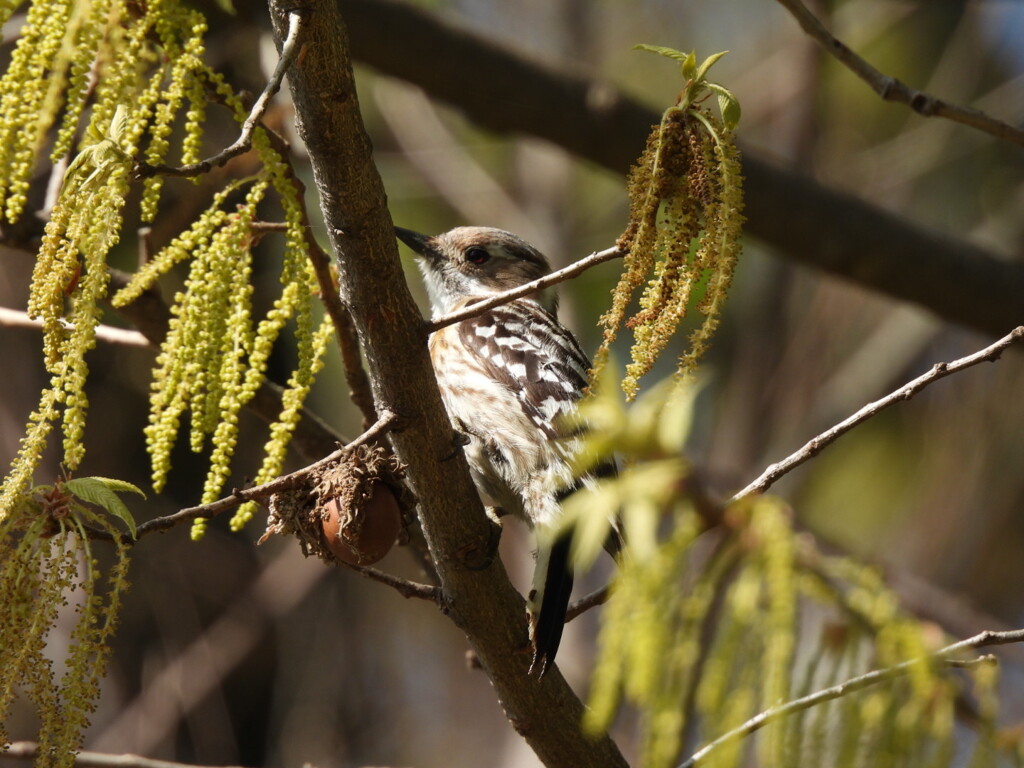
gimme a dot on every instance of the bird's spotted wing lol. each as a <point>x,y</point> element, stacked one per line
<point>524,347</point>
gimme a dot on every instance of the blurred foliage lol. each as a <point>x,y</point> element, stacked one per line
<point>704,624</point>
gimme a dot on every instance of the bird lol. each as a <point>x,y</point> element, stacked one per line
<point>507,377</point>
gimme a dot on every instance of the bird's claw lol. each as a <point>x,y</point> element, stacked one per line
<point>459,440</point>
<point>479,558</point>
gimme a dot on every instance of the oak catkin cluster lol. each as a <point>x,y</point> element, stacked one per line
<point>682,240</point>
<point>107,84</point>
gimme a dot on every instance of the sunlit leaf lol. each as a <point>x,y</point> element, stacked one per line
<point>102,491</point>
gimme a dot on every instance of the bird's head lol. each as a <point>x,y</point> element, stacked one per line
<point>476,262</point>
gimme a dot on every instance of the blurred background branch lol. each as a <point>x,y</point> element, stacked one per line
<point>892,89</point>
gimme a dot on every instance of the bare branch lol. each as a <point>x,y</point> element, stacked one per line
<point>29,750</point>
<point>537,285</point>
<point>15,318</point>
<point>945,655</point>
<point>585,603</point>
<point>266,490</point>
<point>907,391</point>
<point>289,50</point>
<point>404,587</point>
<point>891,89</point>
<point>261,227</point>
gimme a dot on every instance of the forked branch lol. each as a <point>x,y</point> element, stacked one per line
<point>289,51</point>
<point>266,490</point>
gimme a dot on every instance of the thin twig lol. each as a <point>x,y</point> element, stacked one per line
<point>29,750</point>
<point>892,89</point>
<point>360,391</point>
<point>907,391</point>
<point>404,587</point>
<point>540,284</point>
<point>858,683</point>
<point>585,603</point>
<point>268,226</point>
<point>289,50</point>
<point>15,318</point>
<point>266,490</point>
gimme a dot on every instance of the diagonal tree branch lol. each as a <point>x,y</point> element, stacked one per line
<point>807,222</point>
<point>241,145</point>
<point>892,89</point>
<point>266,490</point>
<point>560,276</point>
<point>29,750</point>
<point>907,391</point>
<point>945,655</point>
<point>478,595</point>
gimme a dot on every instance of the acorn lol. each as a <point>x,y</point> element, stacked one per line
<point>363,530</point>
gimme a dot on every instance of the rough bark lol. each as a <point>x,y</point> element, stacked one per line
<point>481,602</point>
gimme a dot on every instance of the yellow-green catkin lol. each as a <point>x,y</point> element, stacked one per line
<point>186,85</point>
<point>199,367</point>
<point>292,399</point>
<point>683,235</point>
<point>45,559</point>
<point>125,60</point>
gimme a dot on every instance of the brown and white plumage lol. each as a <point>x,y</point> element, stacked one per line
<point>506,376</point>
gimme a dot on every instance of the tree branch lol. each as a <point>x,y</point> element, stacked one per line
<point>807,222</point>
<point>597,597</point>
<point>539,284</point>
<point>15,318</point>
<point>907,391</point>
<point>481,601</point>
<point>29,750</point>
<point>404,587</point>
<point>243,143</point>
<point>892,89</point>
<point>266,490</point>
<point>858,683</point>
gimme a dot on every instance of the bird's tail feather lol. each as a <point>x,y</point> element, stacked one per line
<point>554,578</point>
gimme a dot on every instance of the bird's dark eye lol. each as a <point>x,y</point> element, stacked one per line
<point>477,255</point>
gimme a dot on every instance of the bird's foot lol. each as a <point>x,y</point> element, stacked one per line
<point>459,440</point>
<point>477,556</point>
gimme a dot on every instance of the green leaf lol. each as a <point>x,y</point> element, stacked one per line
<point>690,65</point>
<point>728,105</point>
<point>589,513</point>
<point>676,417</point>
<point>661,50</point>
<point>102,491</point>
<point>730,113</point>
<point>707,64</point>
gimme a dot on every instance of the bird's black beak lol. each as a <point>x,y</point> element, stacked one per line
<point>420,244</point>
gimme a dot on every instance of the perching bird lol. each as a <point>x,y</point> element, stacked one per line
<point>505,377</point>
